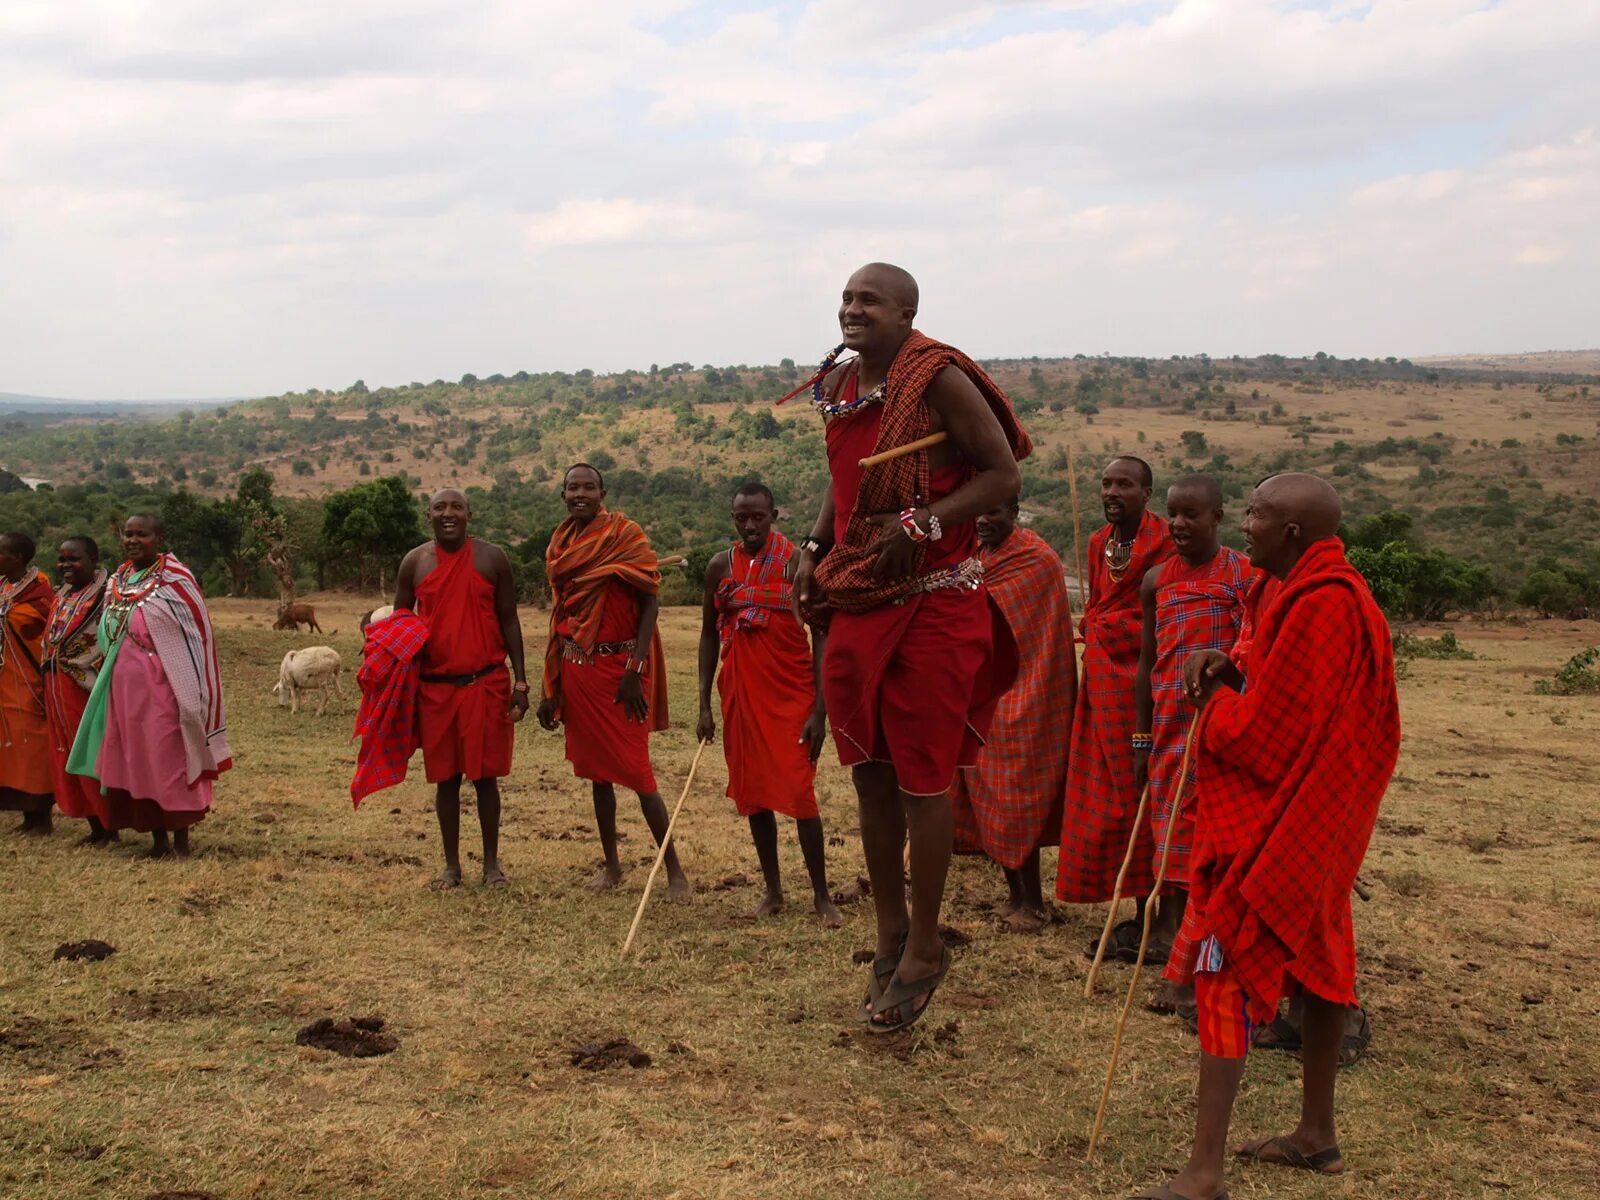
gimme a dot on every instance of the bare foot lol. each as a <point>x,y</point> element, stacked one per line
<point>1172,999</point>
<point>449,878</point>
<point>1025,920</point>
<point>827,913</point>
<point>493,876</point>
<point>678,889</point>
<point>160,853</point>
<point>34,825</point>
<point>606,878</point>
<point>771,905</point>
<point>180,843</point>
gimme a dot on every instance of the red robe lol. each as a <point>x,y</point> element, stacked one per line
<point>24,735</point>
<point>1009,804</point>
<point>1294,769</point>
<point>465,729</point>
<point>71,656</point>
<point>1101,799</point>
<point>767,686</point>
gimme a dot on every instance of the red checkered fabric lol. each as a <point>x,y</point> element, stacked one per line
<point>387,722</point>
<point>1197,608</point>
<point>1293,771</point>
<point>1009,804</point>
<point>1263,591</point>
<point>1101,799</point>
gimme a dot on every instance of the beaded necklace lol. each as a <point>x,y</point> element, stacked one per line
<point>1118,556</point>
<point>10,591</point>
<point>69,608</point>
<point>828,408</point>
<point>128,590</point>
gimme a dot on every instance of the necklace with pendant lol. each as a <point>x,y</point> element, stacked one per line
<point>126,591</point>
<point>1118,556</point>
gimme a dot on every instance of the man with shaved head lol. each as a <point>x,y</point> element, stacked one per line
<point>1296,745</point>
<point>917,656</point>
<point>1102,792</point>
<point>463,591</point>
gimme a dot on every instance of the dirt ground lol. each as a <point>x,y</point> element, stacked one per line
<point>735,1069</point>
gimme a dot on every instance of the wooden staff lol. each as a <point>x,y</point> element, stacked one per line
<point>1077,532</point>
<point>1116,893</point>
<point>661,853</point>
<point>922,443</point>
<point>672,560</point>
<point>1144,937</point>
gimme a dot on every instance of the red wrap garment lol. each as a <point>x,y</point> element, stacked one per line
<point>1101,799</point>
<point>24,735</point>
<point>1009,804</point>
<point>913,682</point>
<point>464,727</point>
<point>767,685</point>
<point>1294,769</point>
<point>597,573</point>
<point>72,659</point>
<point>1197,608</point>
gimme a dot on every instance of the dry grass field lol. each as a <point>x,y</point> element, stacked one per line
<point>172,1067</point>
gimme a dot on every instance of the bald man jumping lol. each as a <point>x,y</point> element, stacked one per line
<point>462,589</point>
<point>1298,737</point>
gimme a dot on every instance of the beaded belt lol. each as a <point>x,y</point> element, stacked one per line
<point>966,574</point>
<point>573,652</point>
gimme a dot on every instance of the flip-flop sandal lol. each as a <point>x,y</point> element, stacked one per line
<point>1121,946</point>
<point>1355,1044</point>
<point>1165,1192</point>
<point>1322,1162</point>
<point>898,996</point>
<point>883,968</point>
<point>1277,1034</point>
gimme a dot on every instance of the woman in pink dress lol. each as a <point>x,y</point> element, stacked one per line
<point>153,732</point>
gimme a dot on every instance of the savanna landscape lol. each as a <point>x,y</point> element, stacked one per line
<point>171,1068</point>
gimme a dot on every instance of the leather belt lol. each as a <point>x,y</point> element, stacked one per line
<point>463,680</point>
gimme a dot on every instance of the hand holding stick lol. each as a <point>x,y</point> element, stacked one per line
<point>661,852</point>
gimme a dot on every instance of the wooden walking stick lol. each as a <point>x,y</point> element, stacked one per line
<point>661,852</point>
<point>1144,937</point>
<point>1077,532</point>
<point>922,443</point>
<point>1116,893</point>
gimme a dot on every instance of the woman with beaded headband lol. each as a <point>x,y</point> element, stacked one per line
<point>153,732</point>
<point>25,602</point>
<point>72,658</point>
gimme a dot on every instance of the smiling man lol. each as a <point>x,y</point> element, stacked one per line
<point>463,591</point>
<point>1296,744</point>
<point>1102,795</point>
<point>605,677</point>
<point>773,716</point>
<point>1192,602</point>
<point>917,655</point>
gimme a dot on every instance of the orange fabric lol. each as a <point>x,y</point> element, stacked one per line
<point>580,562</point>
<point>1009,804</point>
<point>768,689</point>
<point>1222,1010</point>
<point>24,737</point>
<point>465,730</point>
<point>602,745</point>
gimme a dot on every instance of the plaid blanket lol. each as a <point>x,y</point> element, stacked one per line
<point>754,589</point>
<point>1009,804</point>
<point>1294,768</point>
<point>387,721</point>
<point>175,613</point>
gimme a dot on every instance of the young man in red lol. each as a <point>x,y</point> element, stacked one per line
<point>1296,746</point>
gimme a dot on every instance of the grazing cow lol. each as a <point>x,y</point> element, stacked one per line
<point>291,616</point>
<point>301,670</point>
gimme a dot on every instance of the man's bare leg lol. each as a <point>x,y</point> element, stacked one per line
<point>447,807</point>
<point>764,832</point>
<point>605,819</point>
<point>1028,912</point>
<point>1171,997</point>
<point>1201,1177</point>
<point>655,816</point>
<point>1322,1033</point>
<point>931,825</point>
<point>812,845</point>
<point>883,838</point>
<point>489,820</point>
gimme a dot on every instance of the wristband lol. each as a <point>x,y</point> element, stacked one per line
<point>636,665</point>
<point>908,522</point>
<point>811,544</point>
<point>1143,741</point>
<point>521,686</point>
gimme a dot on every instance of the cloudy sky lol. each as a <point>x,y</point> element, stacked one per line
<point>218,197</point>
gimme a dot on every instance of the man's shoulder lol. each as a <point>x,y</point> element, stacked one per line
<point>720,566</point>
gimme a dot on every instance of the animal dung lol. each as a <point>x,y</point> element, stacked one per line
<point>352,1037</point>
<point>85,951</point>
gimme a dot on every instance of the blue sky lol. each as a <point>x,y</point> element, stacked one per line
<point>209,197</point>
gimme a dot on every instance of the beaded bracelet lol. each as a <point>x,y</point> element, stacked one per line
<point>908,522</point>
<point>1143,741</point>
<point>635,665</point>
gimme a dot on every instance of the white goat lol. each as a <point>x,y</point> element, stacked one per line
<point>302,670</point>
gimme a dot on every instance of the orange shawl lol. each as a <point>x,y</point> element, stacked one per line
<point>580,562</point>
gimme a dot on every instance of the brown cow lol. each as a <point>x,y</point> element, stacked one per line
<point>290,616</point>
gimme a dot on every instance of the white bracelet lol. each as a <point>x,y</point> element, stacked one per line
<point>935,530</point>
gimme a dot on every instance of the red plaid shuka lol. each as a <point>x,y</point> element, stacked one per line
<point>1197,608</point>
<point>1294,770</point>
<point>1009,804</point>
<point>748,602</point>
<point>387,722</point>
<point>1264,589</point>
<point>1101,800</point>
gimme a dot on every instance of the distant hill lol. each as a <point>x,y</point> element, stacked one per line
<point>19,403</point>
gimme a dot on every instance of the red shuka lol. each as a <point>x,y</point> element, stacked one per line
<point>767,686</point>
<point>465,730</point>
<point>1294,769</point>
<point>25,754</point>
<point>914,683</point>
<point>1101,800</point>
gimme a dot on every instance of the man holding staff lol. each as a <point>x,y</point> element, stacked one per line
<point>917,656</point>
<point>773,717</point>
<point>1296,745</point>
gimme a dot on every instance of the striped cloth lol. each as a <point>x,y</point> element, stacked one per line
<point>180,627</point>
<point>748,602</point>
<point>1197,608</point>
<point>1009,804</point>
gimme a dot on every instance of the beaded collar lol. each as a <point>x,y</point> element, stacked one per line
<point>69,607</point>
<point>10,591</point>
<point>126,591</point>
<point>830,409</point>
<point>1118,556</point>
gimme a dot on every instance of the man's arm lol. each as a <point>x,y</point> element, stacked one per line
<point>807,597</point>
<point>630,692</point>
<point>505,611</point>
<point>710,643</point>
<point>1143,699</point>
<point>405,584</point>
